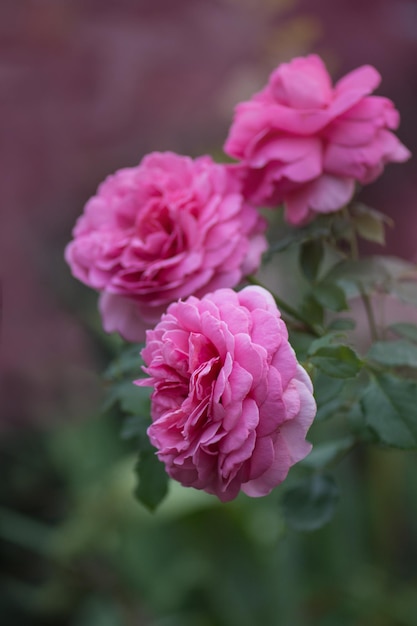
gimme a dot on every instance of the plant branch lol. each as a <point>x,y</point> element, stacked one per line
<point>354,251</point>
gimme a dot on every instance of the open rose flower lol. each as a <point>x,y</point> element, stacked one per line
<point>231,406</point>
<point>163,230</point>
<point>305,143</point>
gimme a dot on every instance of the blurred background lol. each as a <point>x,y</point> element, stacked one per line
<point>87,87</point>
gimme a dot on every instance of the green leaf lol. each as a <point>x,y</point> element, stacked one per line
<point>327,393</point>
<point>341,323</point>
<point>337,361</point>
<point>311,503</point>
<point>390,408</point>
<point>130,397</point>
<point>377,273</point>
<point>400,353</point>
<point>405,291</point>
<point>153,480</point>
<point>330,296</point>
<point>135,427</point>
<point>301,343</point>
<point>369,224</point>
<point>324,454</point>
<point>312,310</point>
<point>409,331</point>
<point>365,275</point>
<point>128,362</point>
<point>355,417</point>
<point>322,342</point>
<point>317,229</point>
<point>311,256</point>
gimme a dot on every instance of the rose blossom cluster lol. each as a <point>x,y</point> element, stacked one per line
<point>305,144</point>
<point>165,242</point>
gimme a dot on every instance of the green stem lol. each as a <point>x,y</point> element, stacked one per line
<point>287,308</point>
<point>354,251</point>
<point>369,313</point>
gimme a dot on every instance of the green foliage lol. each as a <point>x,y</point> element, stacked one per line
<point>389,404</point>
<point>312,310</point>
<point>341,323</point>
<point>318,229</point>
<point>126,363</point>
<point>130,397</point>
<point>311,257</point>
<point>409,331</point>
<point>134,402</point>
<point>369,223</point>
<point>311,503</point>
<point>375,274</point>
<point>400,353</point>
<point>329,452</point>
<point>328,395</point>
<point>337,361</point>
<point>153,480</point>
<point>330,296</point>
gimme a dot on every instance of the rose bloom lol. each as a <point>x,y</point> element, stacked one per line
<point>304,143</point>
<point>231,406</point>
<point>163,230</point>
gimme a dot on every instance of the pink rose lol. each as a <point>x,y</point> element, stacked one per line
<point>163,230</point>
<point>231,406</point>
<point>305,143</point>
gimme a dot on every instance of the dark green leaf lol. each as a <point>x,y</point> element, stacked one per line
<point>134,399</point>
<point>312,310</point>
<point>337,361</point>
<point>342,323</point>
<point>390,409</point>
<point>285,242</point>
<point>128,362</point>
<point>311,256</point>
<point>327,393</point>
<point>311,503</point>
<point>332,408</point>
<point>130,397</point>
<point>400,353</point>
<point>300,342</point>
<point>153,480</point>
<point>409,331</point>
<point>135,427</point>
<point>322,342</point>
<point>355,417</point>
<point>324,454</point>
<point>330,296</point>
<point>317,229</point>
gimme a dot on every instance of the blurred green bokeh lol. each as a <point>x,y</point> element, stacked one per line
<point>78,550</point>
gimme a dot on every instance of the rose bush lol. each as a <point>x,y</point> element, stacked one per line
<point>231,406</point>
<point>304,143</point>
<point>163,230</point>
